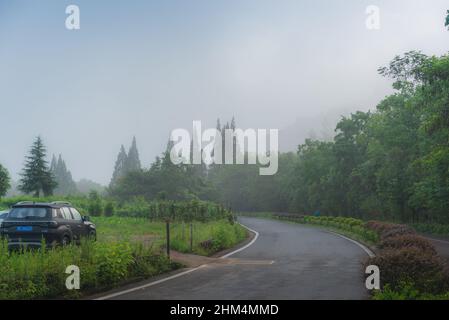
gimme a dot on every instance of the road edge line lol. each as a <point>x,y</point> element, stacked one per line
<point>120,293</point>
<point>256,235</point>
<point>368,251</point>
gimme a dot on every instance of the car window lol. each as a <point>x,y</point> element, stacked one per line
<point>57,214</point>
<point>29,213</point>
<point>66,213</point>
<point>76,214</point>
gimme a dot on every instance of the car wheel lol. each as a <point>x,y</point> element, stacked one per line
<point>65,241</point>
<point>93,235</point>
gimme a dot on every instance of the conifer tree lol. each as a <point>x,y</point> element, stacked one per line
<point>5,182</point>
<point>66,185</point>
<point>36,176</point>
<point>120,167</point>
<point>132,162</point>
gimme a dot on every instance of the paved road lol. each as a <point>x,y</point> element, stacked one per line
<point>308,264</point>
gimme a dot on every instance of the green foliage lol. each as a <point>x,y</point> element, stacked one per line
<point>95,204</point>
<point>41,274</point>
<point>127,248</point>
<point>446,24</point>
<point>63,177</point>
<point>36,176</point>
<point>432,228</point>
<point>193,210</point>
<point>5,181</point>
<point>351,226</point>
<point>126,163</point>
<point>407,291</point>
<point>109,209</point>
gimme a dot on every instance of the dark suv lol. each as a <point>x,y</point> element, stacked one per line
<point>58,223</point>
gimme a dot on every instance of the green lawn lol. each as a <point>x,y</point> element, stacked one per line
<point>221,234</point>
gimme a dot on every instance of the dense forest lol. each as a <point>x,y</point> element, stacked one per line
<point>389,163</point>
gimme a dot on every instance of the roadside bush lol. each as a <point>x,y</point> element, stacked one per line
<point>411,265</point>
<point>407,241</point>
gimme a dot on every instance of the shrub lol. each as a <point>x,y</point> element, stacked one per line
<point>397,230</point>
<point>424,270</point>
<point>109,209</point>
<point>95,204</point>
<point>407,241</point>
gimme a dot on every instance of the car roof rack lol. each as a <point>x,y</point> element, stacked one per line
<point>24,202</point>
<point>62,203</point>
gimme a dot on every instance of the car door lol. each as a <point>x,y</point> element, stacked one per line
<point>70,223</point>
<point>79,223</point>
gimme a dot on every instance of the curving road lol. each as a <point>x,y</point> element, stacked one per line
<point>287,261</point>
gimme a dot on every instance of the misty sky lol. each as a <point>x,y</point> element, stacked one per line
<point>144,68</point>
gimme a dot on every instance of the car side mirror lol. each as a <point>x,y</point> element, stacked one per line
<point>86,218</point>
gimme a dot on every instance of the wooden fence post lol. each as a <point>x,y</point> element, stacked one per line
<point>191,237</point>
<point>167,228</point>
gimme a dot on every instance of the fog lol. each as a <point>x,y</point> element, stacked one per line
<point>144,68</point>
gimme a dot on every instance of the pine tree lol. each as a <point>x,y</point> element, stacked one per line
<point>5,182</point>
<point>66,185</point>
<point>132,162</point>
<point>36,176</point>
<point>120,167</point>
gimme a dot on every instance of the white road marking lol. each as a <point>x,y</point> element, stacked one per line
<point>120,293</point>
<point>368,251</point>
<point>244,247</point>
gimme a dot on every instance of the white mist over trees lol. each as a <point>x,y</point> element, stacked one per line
<point>63,177</point>
<point>125,163</point>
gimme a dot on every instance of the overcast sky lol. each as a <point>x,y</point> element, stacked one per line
<point>144,68</point>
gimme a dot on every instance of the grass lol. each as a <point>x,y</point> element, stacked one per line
<point>219,234</point>
<point>127,249</point>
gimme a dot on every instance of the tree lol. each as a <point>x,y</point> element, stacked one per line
<point>66,185</point>
<point>36,176</point>
<point>120,167</point>
<point>447,20</point>
<point>132,162</point>
<point>5,182</point>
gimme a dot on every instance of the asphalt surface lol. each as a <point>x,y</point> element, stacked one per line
<point>287,261</point>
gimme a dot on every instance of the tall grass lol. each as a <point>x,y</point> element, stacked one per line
<point>41,273</point>
<point>127,248</point>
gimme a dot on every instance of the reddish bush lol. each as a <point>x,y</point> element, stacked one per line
<point>378,226</point>
<point>407,241</point>
<point>411,265</point>
<point>397,230</point>
<point>386,230</point>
